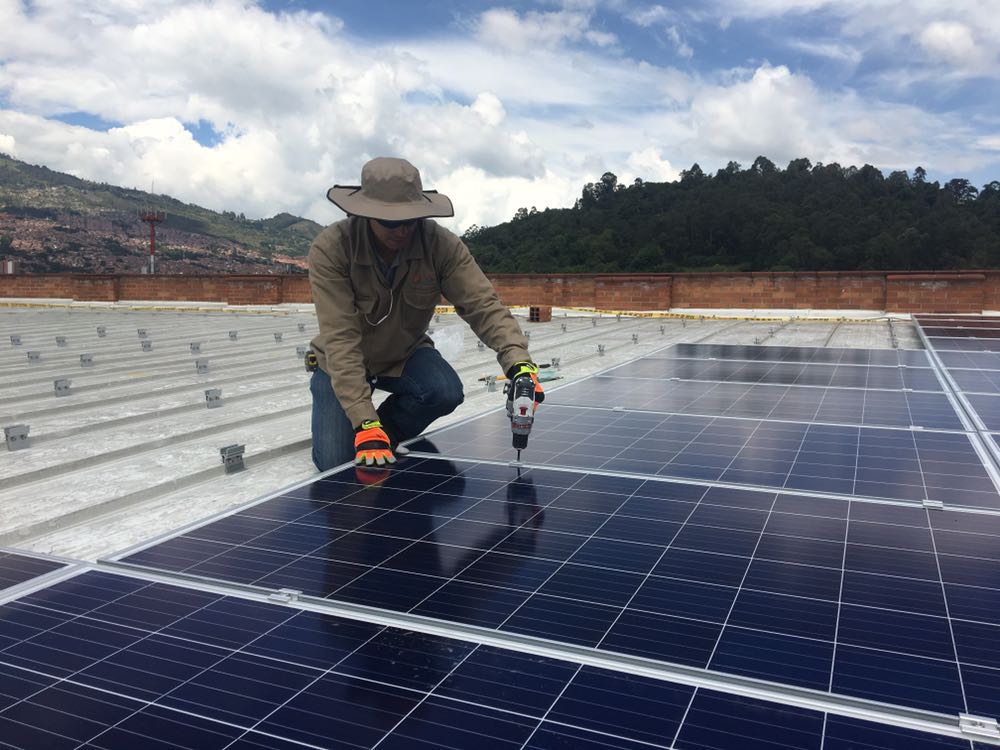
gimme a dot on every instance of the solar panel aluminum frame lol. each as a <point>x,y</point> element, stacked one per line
<point>978,435</point>
<point>70,568</point>
<point>842,705</point>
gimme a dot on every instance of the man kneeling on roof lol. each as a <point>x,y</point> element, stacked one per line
<point>376,278</point>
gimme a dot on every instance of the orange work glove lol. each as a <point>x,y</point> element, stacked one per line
<point>372,445</point>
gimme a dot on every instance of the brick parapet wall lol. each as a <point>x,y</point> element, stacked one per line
<point>965,291</point>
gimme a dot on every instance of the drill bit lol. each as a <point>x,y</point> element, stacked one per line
<point>518,455</point>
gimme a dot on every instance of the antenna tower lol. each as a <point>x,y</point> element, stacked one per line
<point>149,215</point>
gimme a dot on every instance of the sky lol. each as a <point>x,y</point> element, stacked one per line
<point>259,107</point>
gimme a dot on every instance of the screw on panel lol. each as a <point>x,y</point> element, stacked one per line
<point>102,331</point>
<point>300,352</point>
<point>17,437</point>
<point>147,345</point>
<point>232,457</point>
<point>60,341</point>
<point>61,386</point>
<point>213,398</point>
<point>142,333</point>
<point>302,327</point>
<point>201,365</point>
<point>34,357</point>
<point>277,336</point>
<point>196,347</point>
<point>86,360</point>
<point>600,350</point>
<point>491,382</point>
<point>15,340</point>
<point>635,338</point>
<point>981,726</point>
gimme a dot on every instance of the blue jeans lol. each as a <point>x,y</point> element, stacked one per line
<point>427,388</point>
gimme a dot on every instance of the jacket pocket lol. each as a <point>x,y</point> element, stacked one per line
<point>422,299</point>
<point>364,305</point>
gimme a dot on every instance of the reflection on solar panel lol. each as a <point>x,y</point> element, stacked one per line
<point>17,567</point>
<point>104,661</point>
<point>770,534</point>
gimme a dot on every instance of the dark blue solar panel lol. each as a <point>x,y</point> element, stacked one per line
<point>106,662</point>
<point>17,568</point>
<point>896,464</point>
<point>965,343</point>
<point>774,586</point>
<point>972,360</point>
<point>802,354</point>
<point>781,373</point>
<point>831,405</point>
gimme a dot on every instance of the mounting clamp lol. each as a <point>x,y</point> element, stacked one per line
<point>233,335</point>
<point>302,327</point>
<point>86,360</point>
<point>62,386</point>
<point>60,341</point>
<point>213,398</point>
<point>142,333</point>
<point>277,336</point>
<point>196,347</point>
<point>102,331</point>
<point>147,345</point>
<point>201,365</point>
<point>34,357</point>
<point>15,340</point>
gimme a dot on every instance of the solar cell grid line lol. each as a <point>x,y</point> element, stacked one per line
<point>863,559</point>
<point>386,688</point>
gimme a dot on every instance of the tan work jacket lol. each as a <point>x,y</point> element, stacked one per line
<point>351,298</point>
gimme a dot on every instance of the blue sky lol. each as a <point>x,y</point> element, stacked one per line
<point>258,107</point>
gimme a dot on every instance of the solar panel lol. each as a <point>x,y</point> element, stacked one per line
<point>794,403</point>
<point>803,354</point>
<point>834,595</point>
<point>907,465</point>
<point>781,373</point>
<point>104,661</point>
<point>17,567</point>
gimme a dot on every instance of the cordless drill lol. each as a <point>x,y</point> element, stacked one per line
<point>520,409</point>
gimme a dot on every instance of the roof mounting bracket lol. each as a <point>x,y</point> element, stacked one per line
<point>233,335</point>
<point>196,347</point>
<point>17,437</point>
<point>62,386</point>
<point>86,360</point>
<point>300,352</point>
<point>978,726</point>
<point>102,331</point>
<point>302,327</point>
<point>278,335</point>
<point>147,345</point>
<point>34,357</point>
<point>213,398</point>
<point>142,333</point>
<point>60,341</point>
<point>201,365</point>
<point>232,457</point>
<point>15,339</point>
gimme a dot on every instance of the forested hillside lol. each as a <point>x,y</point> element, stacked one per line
<point>803,217</point>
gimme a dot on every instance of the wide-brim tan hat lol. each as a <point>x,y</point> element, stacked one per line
<point>391,190</point>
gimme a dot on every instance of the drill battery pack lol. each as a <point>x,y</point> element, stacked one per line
<point>311,362</point>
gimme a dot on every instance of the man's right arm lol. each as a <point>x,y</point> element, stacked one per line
<point>339,327</point>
